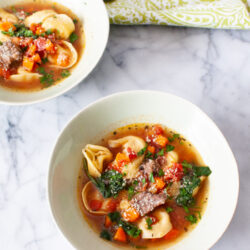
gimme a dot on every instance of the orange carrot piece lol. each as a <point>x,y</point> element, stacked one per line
<point>172,234</point>
<point>31,50</point>
<point>39,30</point>
<point>121,159</point>
<point>49,45</point>
<point>161,140</point>
<point>120,235</point>
<point>151,149</point>
<point>36,58</point>
<point>5,26</point>
<point>159,183</point>
<point>130,214</point>
<point>27,63</point>
<point>108,221</point>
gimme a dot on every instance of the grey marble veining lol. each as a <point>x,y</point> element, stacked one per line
<point>211,68</point>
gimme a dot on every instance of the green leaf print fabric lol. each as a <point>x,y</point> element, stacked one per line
<point>228,14</point>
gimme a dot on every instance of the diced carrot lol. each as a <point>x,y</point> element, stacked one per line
<point>108,221</point>
<point>151,149</point>
<point>27,63</point>
<point>33,27</point>
<point>161,141</point>
<point>36,58</point>
<point>171,234</point>
<point>5,26</point>
<point>49,45</point>
<point>39,30</point>
<point>120,235</point>
<point>63,59</point>
<point>130,214</point>
<point>31,50</point>
<point>95,204</point>
<point>122,159</point>
<point>159,183</point>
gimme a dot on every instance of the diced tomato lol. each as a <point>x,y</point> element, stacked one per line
<point>5,73</point>
<point>108,221</point>
<point>158,130</point>
<point>174,173</point>
<point>130,214</point>
<point>95,205</point>
<point>172,234</point>
<point>122,159</point>
<point>111,206</point>
<point>120,235</point>
<point>131,154</point>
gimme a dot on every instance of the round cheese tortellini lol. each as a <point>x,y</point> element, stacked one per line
<point>172,157</point>
<point>4,38</point>
<point>65,57</point>
<point>136,144</point>
<point>95,156</point>
<point>90,192</point>
<point>7,17</point>
<point>23,75</point>
<point>159,229</point>
<point>61,23</point>
<point>38,17</point>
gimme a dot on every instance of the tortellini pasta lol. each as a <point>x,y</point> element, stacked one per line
<point>23,75</point>
<point>172,157</point>
<point>159,229</point>
<point>202,178</point>
<point>39,17</point>
<point>3,38</point>
<point>67,53</point>
<point>62,23</point>
<point>89,192</point>
<point>136,144</point>
<point>7,17</point>
<point>95,156</point>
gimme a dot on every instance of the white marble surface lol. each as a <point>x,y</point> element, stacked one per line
<point>209,68</point>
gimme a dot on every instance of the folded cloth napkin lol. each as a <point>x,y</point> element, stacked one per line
<point>227,14</point>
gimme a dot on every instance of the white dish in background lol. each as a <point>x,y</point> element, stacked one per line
<point>134,107</point>
<point>95,20</point>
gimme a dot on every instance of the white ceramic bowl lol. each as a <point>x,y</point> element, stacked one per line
<point>142,106</point>
<point>95,20</point>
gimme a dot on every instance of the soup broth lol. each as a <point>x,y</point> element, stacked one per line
<point>182,215</point>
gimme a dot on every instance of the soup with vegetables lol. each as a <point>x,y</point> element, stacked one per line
<point>143,185</point>
<point>40,43</point>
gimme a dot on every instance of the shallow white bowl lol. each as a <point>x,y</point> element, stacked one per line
<point>95,20</point>
<point>142,106</point>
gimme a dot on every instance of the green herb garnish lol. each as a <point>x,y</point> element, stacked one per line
<point>142,151</point>
<point>48,32</point>
<point>149,155</point>
<point>191,218</point>
<point>45,60</point>
<point>149,222</point>
<point>46,78</point>
<point>65,73</point>
<point>161,173</point>
<point>75,20</point>
<point>143,181</point>
<point>105,235</point>
<point>73,37</point>
<point>169,209</point>
<point>169,148</point>
<point>161,152</point>
<point>131,192</point>
<point>175,136</point>
<point>151,178</point>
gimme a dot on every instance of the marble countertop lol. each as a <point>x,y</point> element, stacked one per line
<point>211,68</point>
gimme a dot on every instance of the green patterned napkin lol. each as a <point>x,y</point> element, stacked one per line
<point>197,13</point>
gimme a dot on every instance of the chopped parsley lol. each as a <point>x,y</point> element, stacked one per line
<point>48,32</point>
<point>129,228</point>
<point>75,21</point>
<point>65,73</point>
<point>175,136</point>
<point>143,181</point>
<point>169,209</point>
<point>45,60</point>
<point>73,37</point>
<point>46,78</point>
<point>131,192</point>
<point>105,235</point>
<point>161,152</point>
<point>169,148</point>
<point>191,218</point>
<point>161,173</point>
<point>142,151</point>
<point>149,222</point>
<point>149,155</point>
<point>151,178</point>
<point>186,209</point>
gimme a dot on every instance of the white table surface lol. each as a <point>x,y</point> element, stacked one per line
<point>211,68</point>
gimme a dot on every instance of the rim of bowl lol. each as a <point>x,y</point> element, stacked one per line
<point>97,102</point>
<point>16,103</point>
